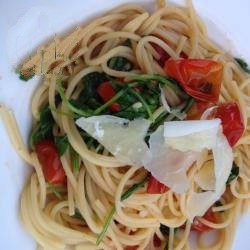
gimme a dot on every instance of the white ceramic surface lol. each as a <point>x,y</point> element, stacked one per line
<point>26,24</point>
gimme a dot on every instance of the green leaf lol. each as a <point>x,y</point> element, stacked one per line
<point>44,128</point>
<point>61,143</point>
<point>74,109</point>
<point>165,230</point>
<point>75,159</point>
<point>162,80</point>
<point>89,95</point>
<point>234,173</point>
<point>124,196</point>
<point>144,103</point>
<point>242,64</point>
<point>78,215</point>
<point>120,64</point>
<point>54,189</point>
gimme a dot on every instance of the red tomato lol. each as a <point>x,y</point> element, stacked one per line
<point>156,241</point>
<point>106,92</point>
<point>51,164</point>
<point>155,187</point>
<point>198,109</point>
<point>162,53</point>
<point>232,121</point>
<point>199,227</point>
<point>199,78</point>
<point>131,248</point>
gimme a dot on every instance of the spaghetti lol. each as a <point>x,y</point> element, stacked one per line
<point>96,202</point>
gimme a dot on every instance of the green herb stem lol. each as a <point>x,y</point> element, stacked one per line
<point>67,102</point>
<point>109,102</point>
<point>141,99</point>
<point>111,213</point>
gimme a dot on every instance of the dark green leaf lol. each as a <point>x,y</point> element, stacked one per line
<point>127,43</point>
<point>242,64</point>
<point>44,128</point>
<point>234,173</point>
<point>78,215</point>
<point>124,196</point>
<point>120,64</point>
<point>165,230</point>
<point>73,108</point>
<point>61,143</point>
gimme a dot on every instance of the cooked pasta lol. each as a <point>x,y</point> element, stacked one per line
<point>96,201</point>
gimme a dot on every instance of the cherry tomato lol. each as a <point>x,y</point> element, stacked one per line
<point>156,241</point>
<point>232,121</point>
<point>155,187</point>
<point>106,92</point>
<point>198,109</point>
<point>200,227</point>
<point>131,248</point>
<point>162,53</point>
<point>51,164</point>
<point>201,79</point>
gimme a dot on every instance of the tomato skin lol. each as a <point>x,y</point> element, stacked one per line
<point>156,241</point>
<point>131,248</point>
<point>232,121</point>
<point>106,92</point>
<point>198,109</point>
<point>155,187</point>
<point>50,160</point>
<point>162,53</point>
<point>200,227</point>
<point>200,78</point>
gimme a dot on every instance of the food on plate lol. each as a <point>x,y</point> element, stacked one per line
<point>140,135</point>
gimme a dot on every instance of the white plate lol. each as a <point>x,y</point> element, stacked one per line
<point>26,24</point>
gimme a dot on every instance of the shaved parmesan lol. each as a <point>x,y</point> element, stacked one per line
<point>121,137</point>
<point>205,178</point>
<point>191,135</point>
<point>199,203</point>
<point>168,165</point>
<point>176,146</point>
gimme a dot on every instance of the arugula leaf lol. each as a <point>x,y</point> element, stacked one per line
<point>234,173</point>
<point>54,189</point>
<point>61,143</point>
<point>165,230</point>
<point>75,159</point>
<point>242,64</point>
<point>91,81</point>
<point>120,64</point>
<point>127,43</point>
<point>78,215</point>
<point>44,128</point>
<point>162,80</point>
<point>73,108</point>
<point>124,196</point>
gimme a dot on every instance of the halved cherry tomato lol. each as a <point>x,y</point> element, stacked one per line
<point>200,227</point>
<point>51,164</point>
<point>155,187</point>
<point>198,109</point>
<point>232,121</point>
<point>162,53</point>
<point>201,79</point>
<point>106,92</point>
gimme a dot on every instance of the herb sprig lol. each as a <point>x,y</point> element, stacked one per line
<point>111,213</point>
